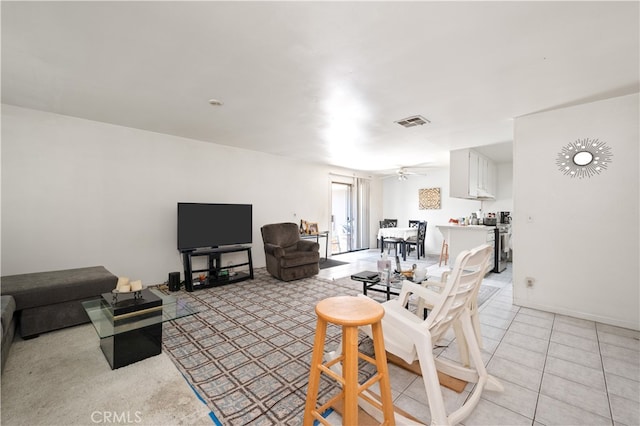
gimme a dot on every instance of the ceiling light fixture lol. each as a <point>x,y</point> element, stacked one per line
<point>414,120</point>
<point>215,102</point>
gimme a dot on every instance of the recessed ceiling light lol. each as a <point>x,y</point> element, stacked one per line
<point>215,102</point>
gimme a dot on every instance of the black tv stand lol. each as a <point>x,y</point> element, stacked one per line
<point>215,274</point>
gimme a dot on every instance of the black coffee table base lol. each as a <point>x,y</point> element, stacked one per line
<point>371,282</point>
<point>132,346</point>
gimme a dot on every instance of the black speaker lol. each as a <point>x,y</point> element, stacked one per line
<point>174,281</point>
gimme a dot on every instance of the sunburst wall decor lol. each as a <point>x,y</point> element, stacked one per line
<point>584,158</point>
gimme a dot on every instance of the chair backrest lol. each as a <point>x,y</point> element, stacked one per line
<point>413,223</point>
<point>281,234</point>
<point>422,230</point>
<point>390,223</point>
<point>461,286</point>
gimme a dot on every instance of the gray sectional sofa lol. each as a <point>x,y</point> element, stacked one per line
<point>8,325</point>
<point>46,301</point>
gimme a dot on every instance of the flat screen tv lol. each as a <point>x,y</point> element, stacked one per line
<point>213,225</point>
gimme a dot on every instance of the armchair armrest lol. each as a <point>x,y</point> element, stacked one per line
<point>273,250</point>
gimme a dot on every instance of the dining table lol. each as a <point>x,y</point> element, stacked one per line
<point>400,233</point>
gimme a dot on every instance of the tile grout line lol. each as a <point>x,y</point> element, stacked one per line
<point>546,356</point>
<point>604,376</point>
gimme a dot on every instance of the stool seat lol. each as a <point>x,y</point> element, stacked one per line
<point>350,311</point>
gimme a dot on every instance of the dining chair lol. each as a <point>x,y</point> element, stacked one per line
<point>417,241</point>
<point>389,241</point>
<point>387,223</point>
<point>390,223</point>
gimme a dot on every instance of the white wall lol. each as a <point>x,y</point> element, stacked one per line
<point>80,193</point>
<point>581,244</point>
<point>400,201</point>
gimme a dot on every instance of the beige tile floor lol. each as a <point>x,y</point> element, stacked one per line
<point>555,369</point>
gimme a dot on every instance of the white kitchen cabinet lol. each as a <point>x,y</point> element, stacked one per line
<point>486,177</point>
<point>474,174</point>
<point>491,178</point>
<point>471,175</point>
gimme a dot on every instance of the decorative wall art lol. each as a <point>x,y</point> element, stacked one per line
<point>429,198</point>
<point>584,158</point>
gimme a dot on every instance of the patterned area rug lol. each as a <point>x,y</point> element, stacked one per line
<point>247,352</point>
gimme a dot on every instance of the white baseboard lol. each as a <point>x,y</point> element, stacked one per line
<point>618,322</point>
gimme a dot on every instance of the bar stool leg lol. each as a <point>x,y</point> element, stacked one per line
<point>314,374</point>
<point>383,371</point>
<point>350,374</point>
<point>444,253</point>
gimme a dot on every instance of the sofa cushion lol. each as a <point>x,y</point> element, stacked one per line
<point>299,258</point>
<point>46,288</point>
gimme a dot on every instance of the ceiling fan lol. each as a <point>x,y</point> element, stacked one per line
<point>403,173</point>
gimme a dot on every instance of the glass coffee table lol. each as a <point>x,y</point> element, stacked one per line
<point>371,282</point>
<point>132,331</point>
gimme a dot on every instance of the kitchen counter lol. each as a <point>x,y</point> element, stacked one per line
<point>466,237</point>
<point>469,227</point>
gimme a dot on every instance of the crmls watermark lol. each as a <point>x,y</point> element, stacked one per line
<point>123,417</point>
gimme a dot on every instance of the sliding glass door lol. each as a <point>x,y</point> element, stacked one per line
<point>341,218</point>
<point>349,215</point>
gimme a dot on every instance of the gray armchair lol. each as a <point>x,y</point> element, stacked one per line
<point>289,257</point>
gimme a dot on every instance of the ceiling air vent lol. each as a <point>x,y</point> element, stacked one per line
<point>414,120</point>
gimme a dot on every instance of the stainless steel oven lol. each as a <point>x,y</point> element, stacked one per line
<point>502,247</point>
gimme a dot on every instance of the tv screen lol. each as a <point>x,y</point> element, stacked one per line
<point>212,225</point>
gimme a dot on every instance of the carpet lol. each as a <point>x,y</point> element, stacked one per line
<point>62,378</point>
<point>330,263</point>
<point>247,353</point>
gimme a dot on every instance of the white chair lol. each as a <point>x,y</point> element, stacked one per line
<point>473,307</point>
<point>412,338</point>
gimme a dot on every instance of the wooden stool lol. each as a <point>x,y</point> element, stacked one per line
<point>444,253</point>
<point>350,313</point>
